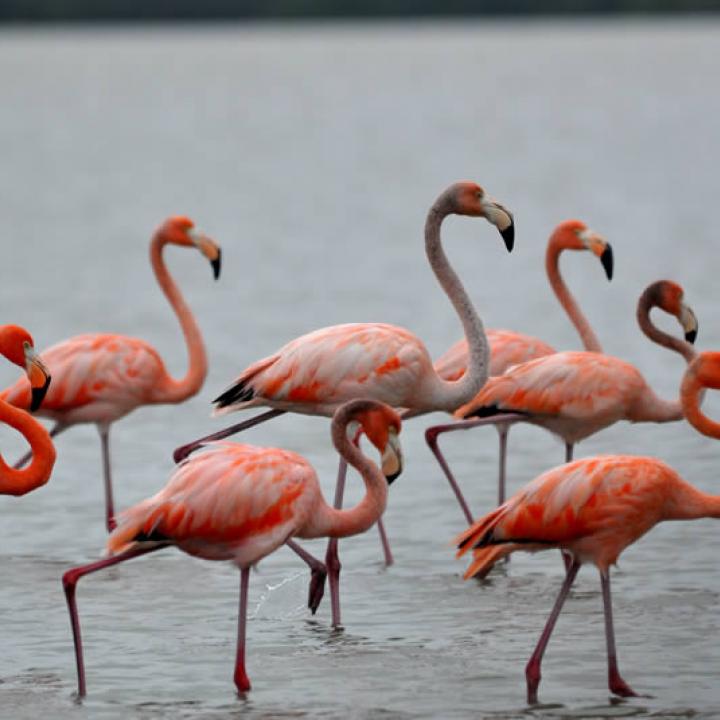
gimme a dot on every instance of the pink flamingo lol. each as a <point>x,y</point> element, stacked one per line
<point>703,372</point>
<point>100,378</point>
<point>315,373</point>
<point>590,509</point>
<point>576,394</point>
<point>240,503</point>
<point>508,348</point>
<point>17,346</point>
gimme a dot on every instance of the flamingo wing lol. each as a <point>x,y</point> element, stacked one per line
<point>325,368</point>
<point>228,501</point>
<point>114,372</point>
<point>569,384</point>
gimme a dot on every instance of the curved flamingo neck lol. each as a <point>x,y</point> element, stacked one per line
<point>689,503</point>
<point>566,298</point>
<point>645,304</point>
<point>691,392</point>
<point>449,395</point>
<point>173,390</point>
<point>36,474</point>
<point>331,522</point>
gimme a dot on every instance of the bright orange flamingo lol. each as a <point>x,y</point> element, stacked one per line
<point>508,348</point>
<point>703,372</point>
<point>590,509</point>
<point>17,346</point>
<point>239,503</point>
<point>315,373</point>
<point>100,378</point>
<point>576,394</point>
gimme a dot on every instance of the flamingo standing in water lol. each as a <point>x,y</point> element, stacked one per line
<point>508,348</point>
<point>240,503</point>
<point>17,346</point>
<point>591,510</point>
<point>576,394</point>
<point>315,373</point>
<point>100,378</point>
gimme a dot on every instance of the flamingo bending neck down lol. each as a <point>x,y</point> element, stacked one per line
<point>100,378</point>
<point>240,503</point>
<point>576,394</point>
<point>703,372</point>
<point>510,348</point>
<point>16,345</point>
<point>315,373</point>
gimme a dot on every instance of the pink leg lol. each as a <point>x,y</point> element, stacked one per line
<point>55,431</point>
<point>616,684</point>
<point>569,452</point>
<point>387,552</point>
<point>503,431</point>
<point>70,579</point>
<point>332,560</point>
<point>184,450</point>
<point>110,523</point>
<point>242,681</point>
<point>532,669</point>
<point>318,574</point>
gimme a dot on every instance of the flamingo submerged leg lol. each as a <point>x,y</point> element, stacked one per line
<point>70,579</point>
<point>332,559</point>
<point>242,681</point>
<point>532,669</point>
<point>616,684</point>
<point>387,552</point>
<point>183,451</point>
<point>56,429</point>
<point>318,575</point>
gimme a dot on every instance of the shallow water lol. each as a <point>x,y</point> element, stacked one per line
<point>311,154</point>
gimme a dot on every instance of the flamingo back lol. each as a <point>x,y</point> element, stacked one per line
<point>319,371</point>
<point>229,501</point>
<point>95,378</point>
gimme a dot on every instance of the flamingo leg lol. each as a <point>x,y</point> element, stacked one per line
<point>110,523</point>
<point>532,669</point>
<point>56,429</point>
<point>387,552</point>
<point>242,681</point>
<point>503,431</point>
<point>616,684</point>
<point>70,579</point>
<point>318,575</point>
<point>332,559</point>
<point>431,438</point>
<point>569,447</point>
<point>183,451</point>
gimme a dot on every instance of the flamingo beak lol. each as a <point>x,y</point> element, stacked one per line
<point>392,457</point>
<point>606,259</point>
<point>502,219</point>
<point>209,248</point>
<point>216,264</point>
<point>689,323</point>
<point>39,377</point>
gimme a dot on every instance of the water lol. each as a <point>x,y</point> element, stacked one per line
<point>311,154</point>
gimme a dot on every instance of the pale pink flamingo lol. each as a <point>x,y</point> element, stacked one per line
<point>16,345</point>
<point>576,394</point>
<point>240,503</point>
<point>315,373</point>
<point>508,348</point>
<point>100,378</point>
<point>591,510</point>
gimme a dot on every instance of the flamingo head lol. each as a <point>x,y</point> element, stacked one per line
<point>706,368</point>
<point>16,344</point>
<point>668,296</point>
<point>576,235</point>
<point>180,230</point>
<point>381,424</point>
<point>468,198</point>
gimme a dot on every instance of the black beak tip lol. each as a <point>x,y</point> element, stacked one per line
<point>216,265</point>
<point>391,478</point>
<point>607,261</point>
<point>508,235</point>
<point>691,336</point>
<point>38,395</point>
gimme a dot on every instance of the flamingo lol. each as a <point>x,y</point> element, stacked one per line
<point>100,378</point>
<point>590,509</point>
<point>315,373</point>
<point>703,372</point>
<point>576,394</point>
<point>508,348</point>
<point>17,346</point>
<point>240,503</point>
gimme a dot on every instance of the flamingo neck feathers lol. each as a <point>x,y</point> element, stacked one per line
<point>446,395</point>
<point>565,298</point>
<point>686,502</point>
<point>36,474</point>
<point>691,394</point>
<point>173,390</point>
<point>331,522</point>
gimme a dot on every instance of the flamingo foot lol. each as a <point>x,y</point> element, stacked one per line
<point>532,676</point>
<point>619,687</point>
<point>316,590</point>
<point>242,681</point>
